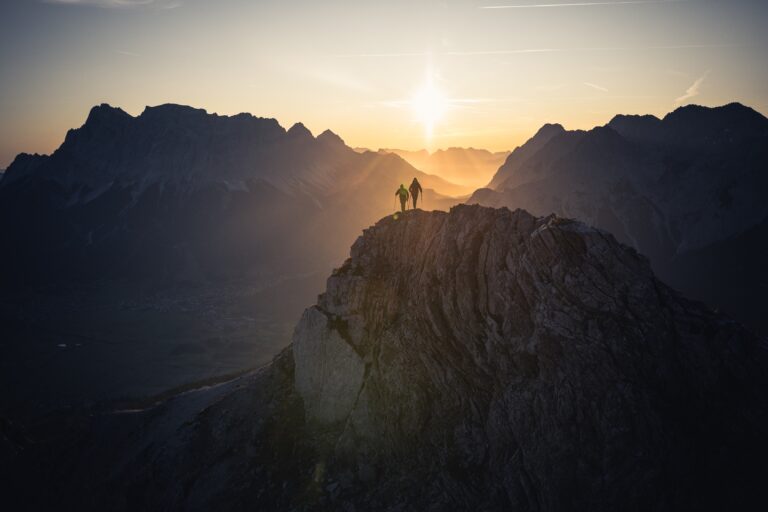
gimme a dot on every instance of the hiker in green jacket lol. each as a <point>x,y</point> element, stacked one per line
<point>402,193</point>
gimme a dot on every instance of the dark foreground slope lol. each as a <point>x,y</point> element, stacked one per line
<point>480,359</point>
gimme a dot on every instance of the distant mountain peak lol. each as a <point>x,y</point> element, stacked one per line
<point>730,109</point>
<point>542,137</point>
<point>173,110</point>
<point>173,107</point>
<point>601,139</point>
<point>716,124</point>
<point>330,138</point>
<point>636,127</point>
<point>604,131</point>
<point>299,130</point>
<point>550,129</point>
<point>645,118</point>
<point>106,112</point>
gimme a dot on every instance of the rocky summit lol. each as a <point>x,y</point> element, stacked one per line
<point>482,359</point>
<point>494,360</point>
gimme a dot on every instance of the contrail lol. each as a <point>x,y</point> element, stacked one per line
<point>595,86</point>
<point>579,4</point>
<point>693,90</point>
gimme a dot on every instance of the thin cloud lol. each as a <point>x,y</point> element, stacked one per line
<point>453,54</point>
<point>693,90</point>
<point>119,4</point>
<point>519,51</point>
<point>129,54</point>
<point>595,86</point>
<point>579,4</point>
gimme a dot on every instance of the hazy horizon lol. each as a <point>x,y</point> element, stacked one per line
<point>429,75</point>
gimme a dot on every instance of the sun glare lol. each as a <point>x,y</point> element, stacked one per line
<point>428,105</point>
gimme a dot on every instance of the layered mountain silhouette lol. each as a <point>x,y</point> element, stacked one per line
<point>687,190</point>
<point>175,246</point>
<point>469,167</point>
<point>481,359</point>
<point>177,193</point>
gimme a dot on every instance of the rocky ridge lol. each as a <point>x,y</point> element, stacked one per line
<point>501,361</point>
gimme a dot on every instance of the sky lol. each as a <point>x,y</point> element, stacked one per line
<point>405,74</point>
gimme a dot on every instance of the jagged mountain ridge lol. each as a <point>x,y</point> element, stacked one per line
<point>469,167</point>
<point>187,144</point>
<point>668,187</point>
<point>474,360</point>
<point>179,193</point>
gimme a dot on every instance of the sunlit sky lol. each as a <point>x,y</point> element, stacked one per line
<point>406,74</point>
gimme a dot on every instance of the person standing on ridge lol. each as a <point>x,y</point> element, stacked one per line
<point>402,193</point>
<point>415,190</point>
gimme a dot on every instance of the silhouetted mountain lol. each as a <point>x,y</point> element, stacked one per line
<point>520,154</point>
<point>474,360</point>
<point>468,167</point>
<point>642,128</point>
<point>668,187</point>
<point>177,193</point>
<point>150,251</point>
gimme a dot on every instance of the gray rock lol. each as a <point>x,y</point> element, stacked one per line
<point>536,363</point>
<point>329,372</point>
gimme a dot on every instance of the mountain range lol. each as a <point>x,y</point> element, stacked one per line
<point>177,193</point>
<point>469,167</point>
<point>688,191</point>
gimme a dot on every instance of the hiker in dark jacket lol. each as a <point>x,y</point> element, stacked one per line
<point>415,190</point>
<point>402,193</point>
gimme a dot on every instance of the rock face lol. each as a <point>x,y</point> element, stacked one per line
<point>331,372</point>
<point>525,363</point>
<point>669,187</point>
<point>481,359</point>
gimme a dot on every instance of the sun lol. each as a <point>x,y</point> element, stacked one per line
<point>429,106</point>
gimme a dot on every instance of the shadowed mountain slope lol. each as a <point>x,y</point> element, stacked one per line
<point>177,193</point>
<point>668,187</point>
<point>150,251</point>
<point>474,360</point>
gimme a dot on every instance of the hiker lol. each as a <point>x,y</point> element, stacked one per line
<point>402,193</point>
<point>415,190</point>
